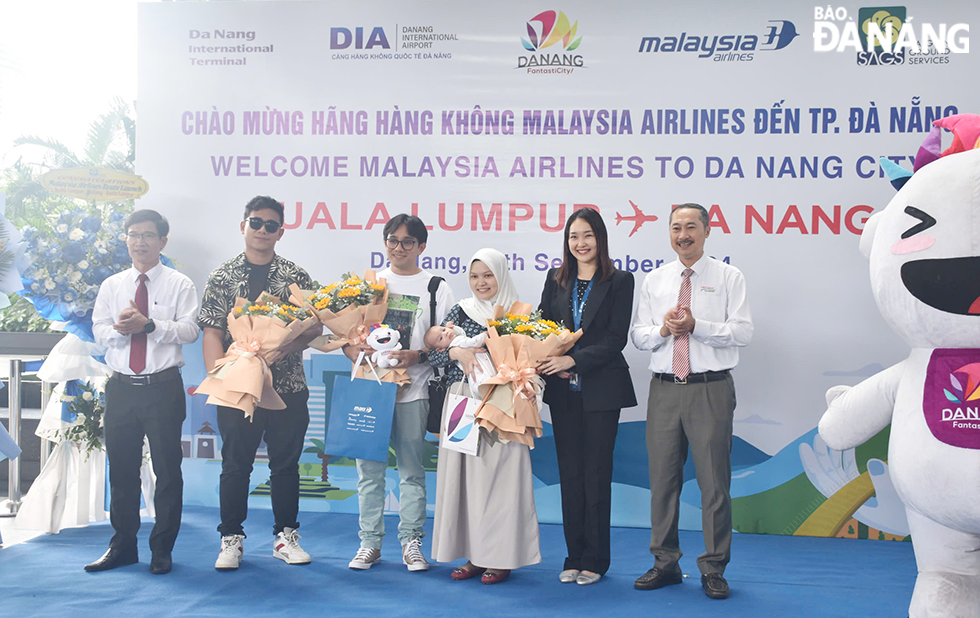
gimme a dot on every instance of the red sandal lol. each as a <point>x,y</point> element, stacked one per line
<point>496,577</point>
<point>461,573</point>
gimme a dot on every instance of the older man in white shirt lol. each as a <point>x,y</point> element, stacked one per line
<point>693,315</point>
<point>144,315</point>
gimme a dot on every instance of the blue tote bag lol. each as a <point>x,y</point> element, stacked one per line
<point>361,412</point>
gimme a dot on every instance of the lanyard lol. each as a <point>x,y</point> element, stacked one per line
<point>579,307</point>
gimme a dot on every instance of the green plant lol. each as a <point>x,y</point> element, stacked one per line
<point>21,317</point>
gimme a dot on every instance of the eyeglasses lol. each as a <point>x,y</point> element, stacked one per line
<point>407,243</point>
<point>145,236</point>
<point>270,226</point>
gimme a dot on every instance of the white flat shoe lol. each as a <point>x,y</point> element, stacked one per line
<point>569,576</point>
<point>584,579</point>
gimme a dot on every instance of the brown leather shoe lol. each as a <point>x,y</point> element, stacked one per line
<point>114,557</point>
<point>658,578</point>
<point>715,586</point>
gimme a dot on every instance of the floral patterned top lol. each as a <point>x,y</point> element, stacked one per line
<point>458,317</point>
<point>229,282</point>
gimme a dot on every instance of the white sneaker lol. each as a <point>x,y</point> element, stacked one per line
<point>365,559</point>
<point>412,555</point>
<point>286,547</point>
<point>231,554</point>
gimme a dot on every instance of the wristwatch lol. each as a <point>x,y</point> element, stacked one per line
<point>423,356</point>
<point>150,326</point>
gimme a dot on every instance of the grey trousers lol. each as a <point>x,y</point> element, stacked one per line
<point>699,415</point>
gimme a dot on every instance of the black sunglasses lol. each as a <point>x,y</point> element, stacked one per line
<point>270,226</point>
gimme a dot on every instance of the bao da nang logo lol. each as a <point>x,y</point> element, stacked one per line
<point>887,35</point>
<point>551,41</point>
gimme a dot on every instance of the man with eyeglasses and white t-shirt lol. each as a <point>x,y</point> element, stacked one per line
<point>259,269</point>
<point>405,237</point>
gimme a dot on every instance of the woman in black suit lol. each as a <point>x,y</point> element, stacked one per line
<point>587,387</point>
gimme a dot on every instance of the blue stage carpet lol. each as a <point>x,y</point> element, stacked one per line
<point>769,576</point>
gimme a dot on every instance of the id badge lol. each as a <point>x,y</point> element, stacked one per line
<point>574,383</point>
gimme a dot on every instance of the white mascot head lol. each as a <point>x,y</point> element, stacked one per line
<point>925,246</point>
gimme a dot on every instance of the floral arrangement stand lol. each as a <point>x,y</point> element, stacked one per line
<point>68,262</point>
<point>517,340</point>
<point>72,488</point>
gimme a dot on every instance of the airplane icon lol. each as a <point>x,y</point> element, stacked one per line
<point>638,218</point>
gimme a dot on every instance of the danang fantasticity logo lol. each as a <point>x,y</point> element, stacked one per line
<point>886,36</point>
<point>733,47</point>
<point>551,41</point>
<point>951,397</point>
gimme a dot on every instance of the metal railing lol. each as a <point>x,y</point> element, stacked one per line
<point>9,507</point>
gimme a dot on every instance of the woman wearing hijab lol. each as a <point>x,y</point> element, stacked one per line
<point>484,504</point>
<point>587,387</point>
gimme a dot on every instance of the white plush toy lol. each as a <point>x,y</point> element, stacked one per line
<point>384,340</point>
<point>924,249</point>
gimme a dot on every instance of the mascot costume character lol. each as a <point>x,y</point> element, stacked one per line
<point>924,249</point>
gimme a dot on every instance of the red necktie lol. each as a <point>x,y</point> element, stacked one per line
<point>137,347</point>
<point>681,364</point>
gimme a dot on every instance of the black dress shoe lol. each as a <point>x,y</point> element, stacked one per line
<point>658,578</point>
<point>114,557</point>
<point>161,563</point>
<point>715,586</point>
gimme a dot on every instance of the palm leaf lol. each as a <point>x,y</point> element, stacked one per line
<point>63,156</point>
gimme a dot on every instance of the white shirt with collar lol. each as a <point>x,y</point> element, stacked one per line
<point>172,301</point>
<point>723,322</point>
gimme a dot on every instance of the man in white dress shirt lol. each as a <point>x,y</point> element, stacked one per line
<point>143,316</point>
<point>693,315</point>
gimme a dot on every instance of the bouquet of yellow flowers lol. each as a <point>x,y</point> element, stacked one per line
<point>531,325</point>
<point>347,307</point>
<point>517,340</point>
<point>242,379</point>
<point>285,312</point>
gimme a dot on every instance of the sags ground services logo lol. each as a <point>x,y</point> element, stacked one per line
<point>551,42</point>
<point>887,36</point>
<point>731,47</point>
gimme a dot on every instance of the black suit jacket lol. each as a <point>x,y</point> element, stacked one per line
<point>599,361</point>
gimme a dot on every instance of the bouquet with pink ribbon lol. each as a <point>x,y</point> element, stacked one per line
<point>511,406</point>
<point>260,330</point>
<point>348,308</point>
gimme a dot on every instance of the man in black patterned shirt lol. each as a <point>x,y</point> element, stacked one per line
<point>258,269</point>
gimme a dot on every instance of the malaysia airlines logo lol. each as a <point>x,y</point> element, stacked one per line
<point>638,218</point>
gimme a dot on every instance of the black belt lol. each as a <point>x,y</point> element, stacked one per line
<point>693,378</point>
<point>167,375</point>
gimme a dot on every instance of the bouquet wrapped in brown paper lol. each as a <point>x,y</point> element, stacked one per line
<point>242,378</point>
<point>517,340</point>
<point>347,307</point>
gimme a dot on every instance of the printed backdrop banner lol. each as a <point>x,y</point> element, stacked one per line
<point>494,121</point>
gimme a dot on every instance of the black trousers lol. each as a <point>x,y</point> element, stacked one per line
<point>284,432</point>
<point>157,412</point>
<point>584,441</point>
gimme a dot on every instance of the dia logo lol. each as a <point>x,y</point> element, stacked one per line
<point>342,38</point>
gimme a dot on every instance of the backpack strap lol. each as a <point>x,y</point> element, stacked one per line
<point>434,284</point>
